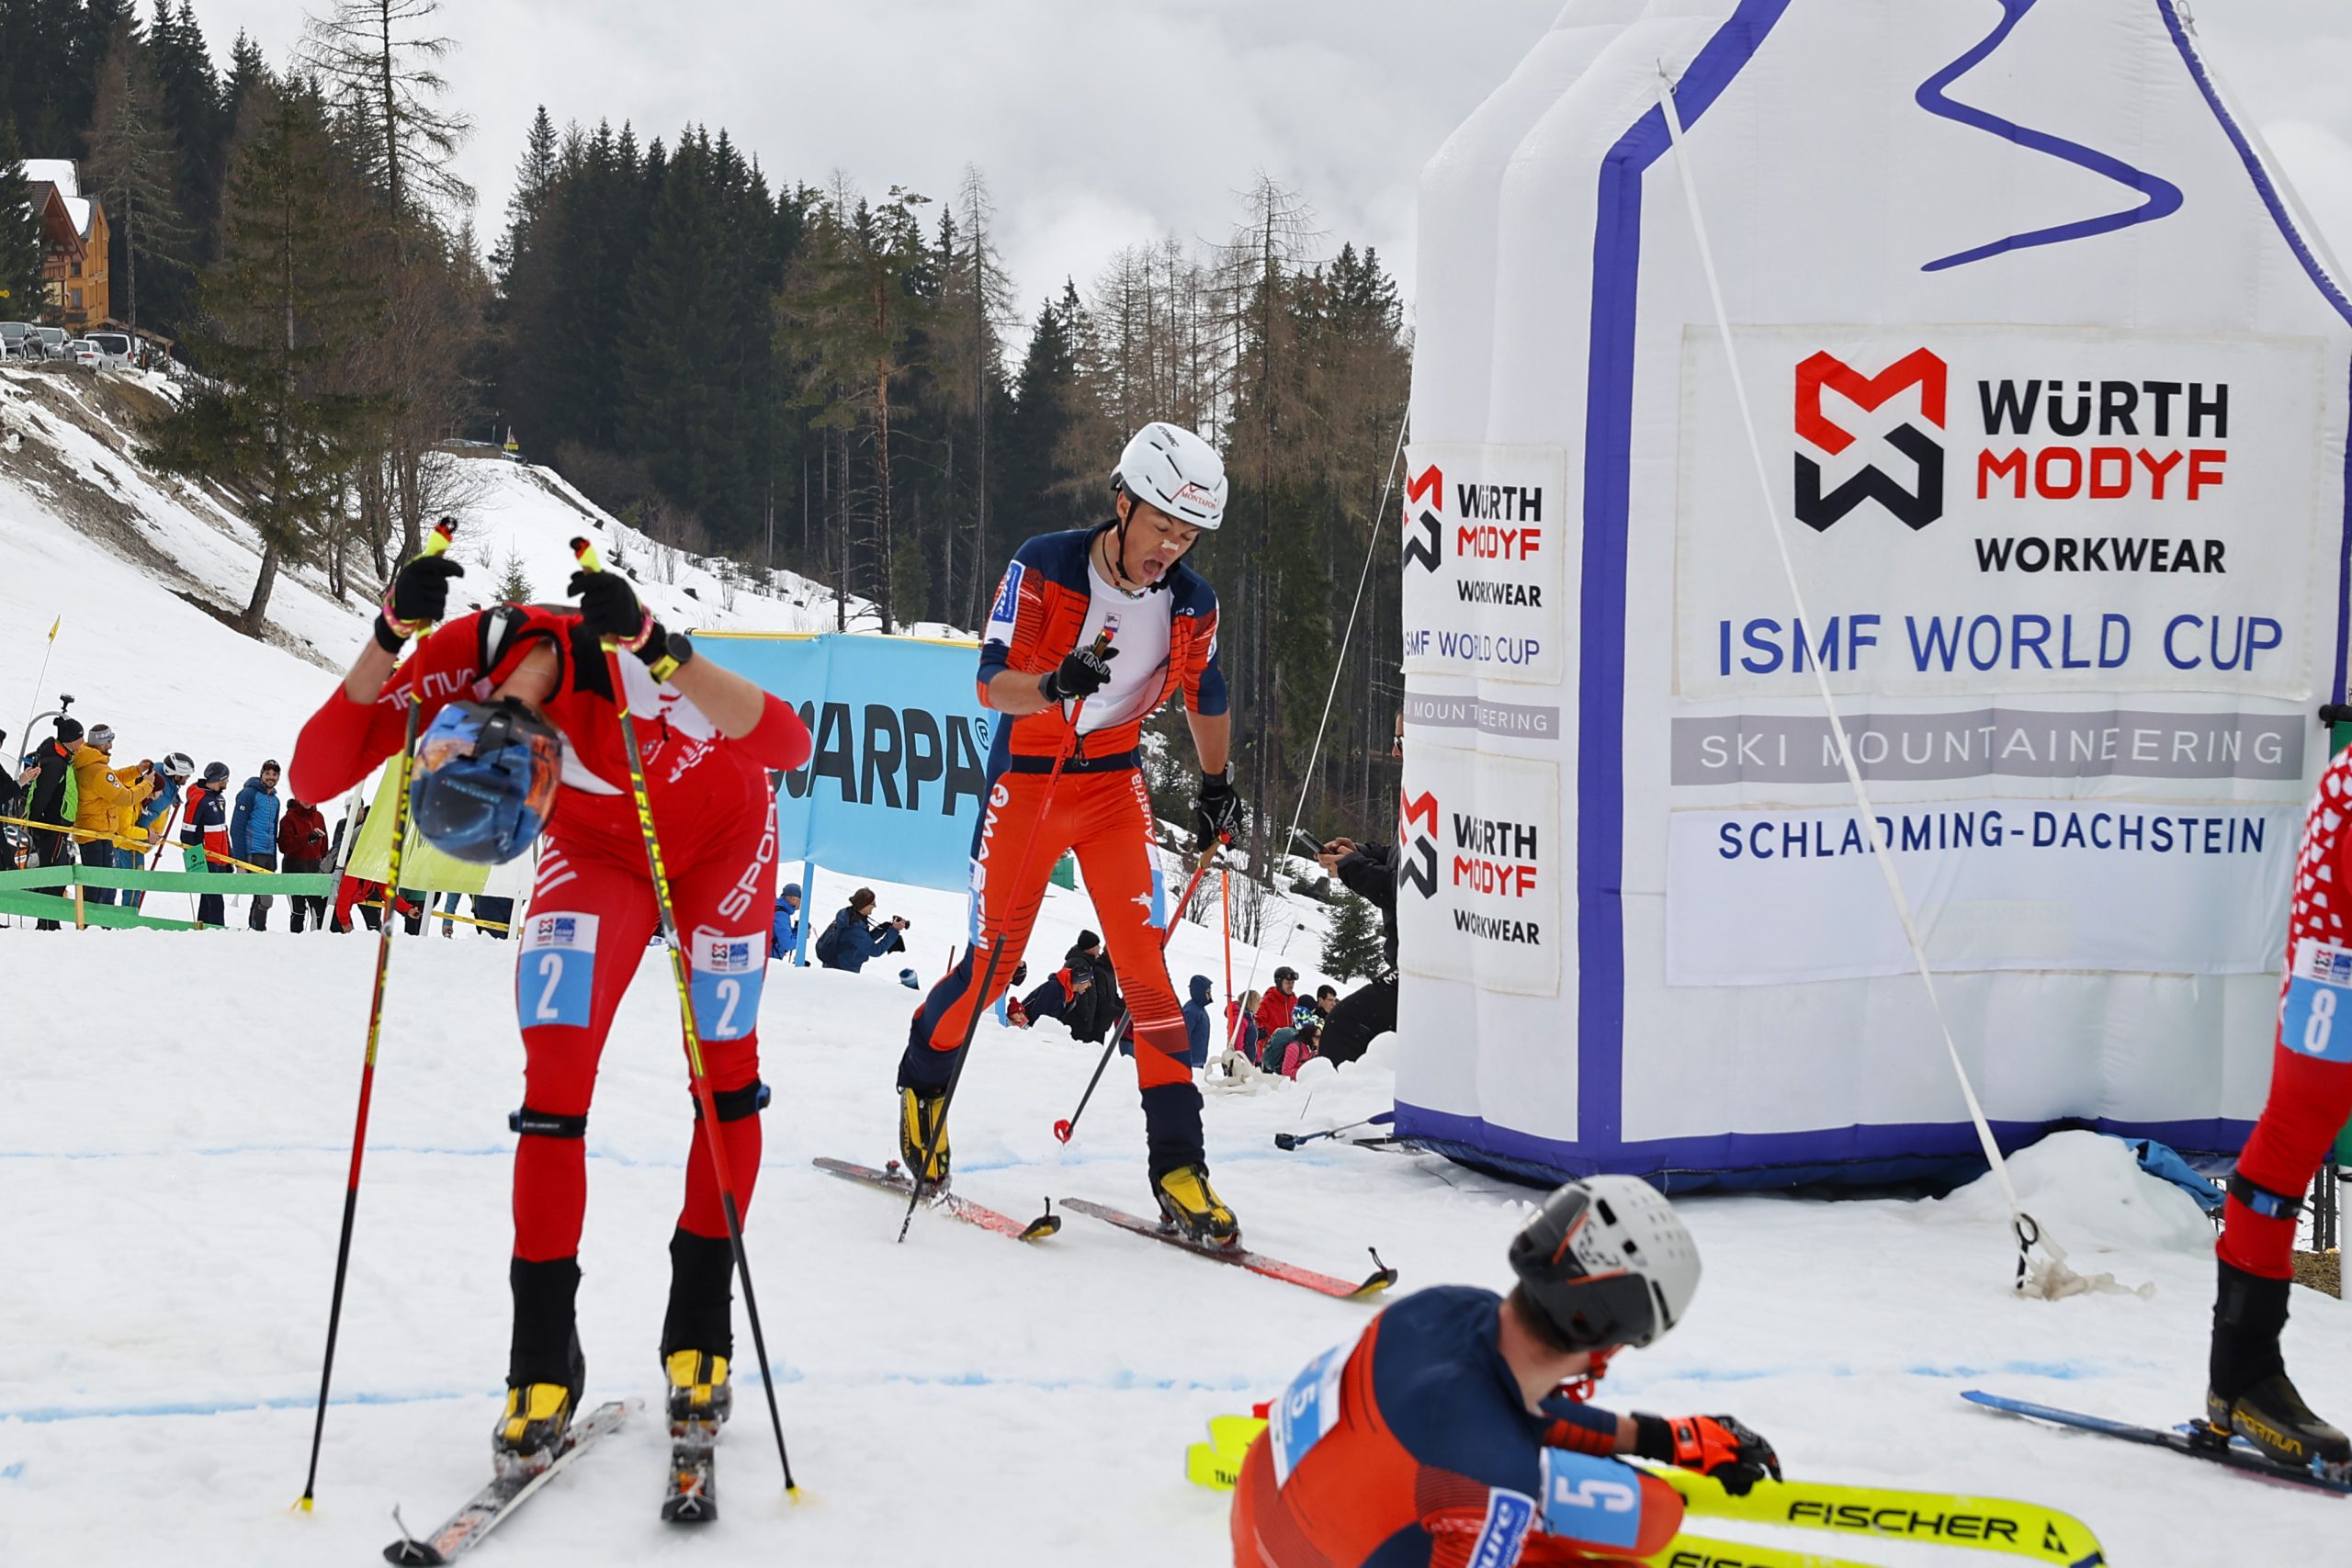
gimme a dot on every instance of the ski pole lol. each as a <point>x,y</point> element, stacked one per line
<point>996,946</point>
<point>1065,1129</point>
<point>434,543</point>
<point>587,553</point>
<point>1291,1140</point>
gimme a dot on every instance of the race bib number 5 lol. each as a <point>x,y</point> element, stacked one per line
<point>1308,1411</point>
<point>2312,1019</point>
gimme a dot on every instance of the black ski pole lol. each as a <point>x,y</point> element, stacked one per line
<point>698,1080</point>
<point>1066,1128</point>
<point>434,543</point>
<point>996,953</point>
<point>1291,1140</point>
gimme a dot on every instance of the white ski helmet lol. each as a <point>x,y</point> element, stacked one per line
<point>1175,470</point>
<point>1608,1261</point>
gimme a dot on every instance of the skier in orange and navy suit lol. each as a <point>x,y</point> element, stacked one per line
<point>1445,1437</point>
<point>1071,694</point>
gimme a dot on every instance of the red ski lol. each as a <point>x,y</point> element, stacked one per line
<point>1381,1278</point>
<point>895,1180</point>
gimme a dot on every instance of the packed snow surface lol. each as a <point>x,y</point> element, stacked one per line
<point>174,1142</point>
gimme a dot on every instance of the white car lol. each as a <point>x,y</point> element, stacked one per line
<point>81,352</point>
<point>116,347</point>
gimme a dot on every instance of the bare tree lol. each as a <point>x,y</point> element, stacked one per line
<point>379,59</point>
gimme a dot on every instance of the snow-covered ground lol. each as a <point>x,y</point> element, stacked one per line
<point>174,1140</point>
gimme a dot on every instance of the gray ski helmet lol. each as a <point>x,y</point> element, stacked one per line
<point>1608,1262</point>
<point>215,772</point>
<point>178,765</point>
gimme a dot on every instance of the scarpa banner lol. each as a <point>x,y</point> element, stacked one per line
<point>894,788</point>
<point>2050,382</point>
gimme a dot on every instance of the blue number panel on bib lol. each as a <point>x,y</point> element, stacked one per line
<point>2316,1020</point>
<point>1589,1499</point>
<point>555,980</point>
<point>727,975</point>
<point>1308,1411</point>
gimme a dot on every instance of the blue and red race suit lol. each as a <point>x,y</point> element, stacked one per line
<point>1413,1448</point>
<point>1098,807</point>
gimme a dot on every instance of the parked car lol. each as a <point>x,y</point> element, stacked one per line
<point>81,352</point>
<point>117,347</point>
<point>13,340</point>
<point>54,340</point>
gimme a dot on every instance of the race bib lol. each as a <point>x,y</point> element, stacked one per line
<point>1504,1531</point>
<point>2319,991</point>
<point>1592,1500</point>
<point>555,979</point>
<point>1307,1412</point>
<point>727,972</point>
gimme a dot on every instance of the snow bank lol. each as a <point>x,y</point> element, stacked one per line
<point>2088,1193</point>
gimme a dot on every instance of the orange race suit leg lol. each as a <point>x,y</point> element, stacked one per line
<point>1106,817</point>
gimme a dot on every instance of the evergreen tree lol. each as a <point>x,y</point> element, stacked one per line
<point>132,165</point>
<point>192,117</point>
<point>1032,495</point>
<point>514,582</point>
<point>279,307</point>
<point>22,294</point>
<point>1352,946</point>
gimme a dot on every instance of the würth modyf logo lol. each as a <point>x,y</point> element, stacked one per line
<point>1917,506</point>
<point>1417,827</point>
<point>1425,535</point>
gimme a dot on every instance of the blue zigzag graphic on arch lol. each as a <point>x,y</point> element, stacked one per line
<point>2164,197</point>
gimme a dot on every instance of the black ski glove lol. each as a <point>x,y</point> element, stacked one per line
<point>1719,1445</point>
<point>1217,809</point>
<point>418,597</point>
<point>610,608</point>
<point>1080,675</point>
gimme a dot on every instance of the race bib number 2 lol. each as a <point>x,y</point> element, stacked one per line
<point>555,981</point>
<point>727,974</point>
<point>2316,1020</point>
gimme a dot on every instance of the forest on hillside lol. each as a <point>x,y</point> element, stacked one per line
<point>783,372</point>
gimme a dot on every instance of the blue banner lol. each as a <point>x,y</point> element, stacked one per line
<point>894,789</point>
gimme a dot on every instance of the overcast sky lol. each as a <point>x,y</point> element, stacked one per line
<point>1101,123</point>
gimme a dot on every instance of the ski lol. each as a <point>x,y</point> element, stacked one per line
<point>1945,1518</point>
<point>2198,1441</point>
<point>505,1492</point>
<point>895,1180</point>
<point>1381,1278</point>
<point>1698,1551</point>
<point>693,1486</point>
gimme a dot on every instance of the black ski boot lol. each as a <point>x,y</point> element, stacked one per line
<point>545,1369</point>
<point>2248,1392</point>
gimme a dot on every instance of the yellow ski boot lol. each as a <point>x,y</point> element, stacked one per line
<point>1191,1205</point>
<point>531,1432</point>
<point>698,1388</point>
<point>920,1120</point>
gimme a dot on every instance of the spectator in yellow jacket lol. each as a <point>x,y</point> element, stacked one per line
<point>108,804</point>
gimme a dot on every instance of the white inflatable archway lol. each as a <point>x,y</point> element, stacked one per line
<point>2051,376</point>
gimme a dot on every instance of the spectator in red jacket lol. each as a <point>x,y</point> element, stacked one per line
<point>1280,1002</point>
<point>303,846</point>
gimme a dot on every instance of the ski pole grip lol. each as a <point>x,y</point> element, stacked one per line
<point>437,542</point>
<point>583,550</point>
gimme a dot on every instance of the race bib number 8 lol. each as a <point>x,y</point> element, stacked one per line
<point>555,980</point>
<point>2313,1020</point>
<point>728,971</point>
<point>1309,1409</point>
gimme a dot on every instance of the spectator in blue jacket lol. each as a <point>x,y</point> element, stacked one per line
<point>172,775</point>
<point>853,937</point>
<point>1196,1021</point>
<point>253,834</point>
<point>784,937</point>
<point>1054,999</point>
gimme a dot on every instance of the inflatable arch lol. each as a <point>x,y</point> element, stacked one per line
<point>2050,380</point>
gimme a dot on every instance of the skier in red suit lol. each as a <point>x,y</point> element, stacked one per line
<point>535,678</point>
<point>1454,1433</point>
<point>2247,1392</point>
